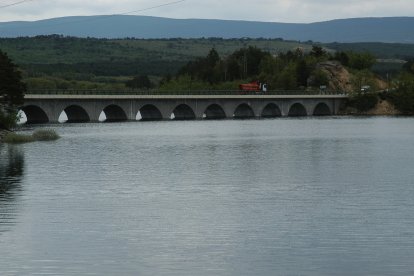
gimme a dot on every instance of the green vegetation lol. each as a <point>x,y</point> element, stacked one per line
<point>363,101</point>
<point>45,135</point>
<point>12,90</point>
<point>379,50</point>
<point>291,70</point>
<point>57,62</point>
<point>38,135</point>
<point>139,82</point>
<point>403,97</point>
<point>14,138</point>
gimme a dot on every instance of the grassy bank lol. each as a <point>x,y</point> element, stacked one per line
<point>38,135</point>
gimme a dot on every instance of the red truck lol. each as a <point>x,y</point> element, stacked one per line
<point>253,86</point>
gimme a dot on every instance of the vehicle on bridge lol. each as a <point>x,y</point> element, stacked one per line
<point>255,86</point>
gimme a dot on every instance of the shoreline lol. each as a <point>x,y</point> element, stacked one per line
<point>382,108</point>
<point>3,133</point>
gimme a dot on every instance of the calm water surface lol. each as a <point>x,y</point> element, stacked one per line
<point>263,197</point>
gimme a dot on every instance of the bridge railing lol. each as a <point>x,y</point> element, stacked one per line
<point>180,92</point>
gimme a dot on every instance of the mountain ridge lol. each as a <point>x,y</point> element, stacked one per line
<point>370,29</point>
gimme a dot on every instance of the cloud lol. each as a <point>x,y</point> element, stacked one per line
<point>258,10</point>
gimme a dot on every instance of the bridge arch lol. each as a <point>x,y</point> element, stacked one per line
<point>297,110</point>
<point>322,109</point>
<point>243,111</point>
<point>114,113</point>
<point>35,114</point>
<point>149,112</point>
<point>214,112</point>
<point>76,114</point>
<point>183,112</point>
<point>271,110</point>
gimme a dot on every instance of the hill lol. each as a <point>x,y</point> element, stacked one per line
<point>390,29</point>
<point>67,61</point>
<point>119,57</point>
<point>47,60</point>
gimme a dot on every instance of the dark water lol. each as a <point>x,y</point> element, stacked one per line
<point>270,197</point>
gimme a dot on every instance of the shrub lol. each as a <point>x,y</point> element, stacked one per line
<point>363,101</point>
<point>403,97</point>
<point>14,138</point>
<point>38,135</point>
<point>45,135</point>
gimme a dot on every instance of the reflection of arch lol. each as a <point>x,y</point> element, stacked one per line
<point>243,111</point>
<point>114,113</point>
<point>150,112</point>
<point>183,112</point>
<point>35,115</point>
<point>271,111</point>
<point>215,111</point>
<point>322,109</point>
<point>76,114</point>
<point>297,110</point>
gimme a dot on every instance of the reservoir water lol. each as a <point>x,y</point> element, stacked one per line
<point>332,196</point>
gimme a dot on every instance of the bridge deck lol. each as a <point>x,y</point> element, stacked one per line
<point>172,97</point>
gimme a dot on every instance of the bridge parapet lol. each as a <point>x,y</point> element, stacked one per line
<point>183,92</point>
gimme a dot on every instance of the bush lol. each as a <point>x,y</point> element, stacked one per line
<point>364,101</point>
<point>403,96</point>
<point>14,138</point>
<point>38,135</point>
<point>45,135</point>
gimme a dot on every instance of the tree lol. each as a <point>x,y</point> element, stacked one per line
<point>317,51</point>
<point>342,57</point>
<point>246,61</point>
<point>303,72</point>
<point>12,91</point>
<point>207,68</point>
<point>287,79</point>
<point>403,97</point>
<point>364,78</point>
<point>139,82</point>
<point>361,61</point>
<point>318,78</point>
<point>409,66</point>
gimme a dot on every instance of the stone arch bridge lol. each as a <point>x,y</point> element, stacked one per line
<point>47,108</point>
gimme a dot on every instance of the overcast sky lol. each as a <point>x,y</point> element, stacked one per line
<point>257,10</point>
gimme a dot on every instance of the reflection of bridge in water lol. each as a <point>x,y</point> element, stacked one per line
<point>88,106</point>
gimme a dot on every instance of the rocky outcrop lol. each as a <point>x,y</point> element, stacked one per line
<point>338,77</point>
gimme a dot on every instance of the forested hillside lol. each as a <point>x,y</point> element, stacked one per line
<point>68,62</point>
<point>89,63</point>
